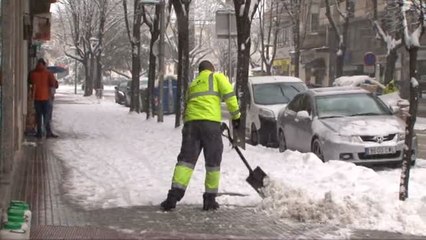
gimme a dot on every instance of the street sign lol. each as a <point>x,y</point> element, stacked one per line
<point>226,26</point>
<point>369,59</point>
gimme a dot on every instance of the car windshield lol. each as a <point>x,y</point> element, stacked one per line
<point>345,105</point>
<point>276,93</point>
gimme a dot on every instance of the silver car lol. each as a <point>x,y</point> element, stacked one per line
<point>343,123</point>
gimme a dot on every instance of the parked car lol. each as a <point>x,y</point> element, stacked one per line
<point>120,92</point>
<point>267,95</point>
<point>143,84</point>
<point>343,123</point>
<point>393,100</point>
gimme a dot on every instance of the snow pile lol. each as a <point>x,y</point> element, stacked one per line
<point>343,194</point>
<point>287,202</point>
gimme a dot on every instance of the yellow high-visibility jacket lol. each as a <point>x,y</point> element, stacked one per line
<point>204,98</point>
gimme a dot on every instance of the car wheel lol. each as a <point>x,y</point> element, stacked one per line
<point>282,145</point>
<point>254,136</point>
<point>316,149</point>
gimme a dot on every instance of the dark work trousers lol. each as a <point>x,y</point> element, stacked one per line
<point>201,135</point>
<point>42,109</point>
<point>49,112</point>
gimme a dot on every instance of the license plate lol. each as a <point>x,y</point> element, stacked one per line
<point>380,150</point>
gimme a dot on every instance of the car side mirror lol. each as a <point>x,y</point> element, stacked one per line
<point>301,115</point>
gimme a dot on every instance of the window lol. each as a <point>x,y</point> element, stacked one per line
<point>295,105</point>
<point>276,93</point>
<point>347,105</point>
<point>305,104</point>
<point>314,18</point>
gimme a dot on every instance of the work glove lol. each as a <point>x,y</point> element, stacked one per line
<point>236,123</point>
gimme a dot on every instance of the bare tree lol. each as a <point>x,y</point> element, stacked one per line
<point>153,23</point>
<point>390,36</point>
<point>412,33</point>
<point>244,13</point>
<point>269,33</point>
<point>134,35</point>
<point>79,17</point>
<point>295,9</point>
<point>84,33</point>
<point>340,31</point>
<point>181,8</point>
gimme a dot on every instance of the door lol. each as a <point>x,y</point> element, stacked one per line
<point>303,126</point>
<point>290,131</point>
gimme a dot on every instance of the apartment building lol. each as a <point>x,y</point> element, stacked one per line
<point>319,44</point>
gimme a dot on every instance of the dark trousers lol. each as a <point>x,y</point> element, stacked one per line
<point>197,136</point>
<point>50,110</point>
<point>42,109</point>
<point>201,135</point>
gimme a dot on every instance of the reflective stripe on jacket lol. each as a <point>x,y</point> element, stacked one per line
<point>204,98</point>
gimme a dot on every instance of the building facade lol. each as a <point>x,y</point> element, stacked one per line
<point>319,44</point>
<point>18,55</point>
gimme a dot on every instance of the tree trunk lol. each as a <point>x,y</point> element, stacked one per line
<point>390,65</point>
<point>98,70</point>
<point>180,93</point>
<point>136,53</point>
<point>296,39</point>
<point>410,121</point>
<point>340,63</point>
<point>244,44</point>
<point>134,90</point>
<point>182,13</point>
<point>88,67</point>
<point>150,101</point>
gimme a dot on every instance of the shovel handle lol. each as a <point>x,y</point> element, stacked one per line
<point>225,127</point>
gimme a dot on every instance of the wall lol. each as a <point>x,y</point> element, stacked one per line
<point>13,91</point>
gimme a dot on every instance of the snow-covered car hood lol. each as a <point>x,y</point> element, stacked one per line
<point>365,125</point>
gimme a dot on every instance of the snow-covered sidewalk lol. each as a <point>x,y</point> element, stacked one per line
<point>119,158</point>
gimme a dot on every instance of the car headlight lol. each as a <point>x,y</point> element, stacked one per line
<point>401,136</point>
<point>266,113</point>
<point>351,139</point>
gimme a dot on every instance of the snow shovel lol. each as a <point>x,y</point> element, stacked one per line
<point>256,176</point>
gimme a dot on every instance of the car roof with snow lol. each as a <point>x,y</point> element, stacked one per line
<point>335,91</point>
<point>274,79</point>
<point>356,80</point>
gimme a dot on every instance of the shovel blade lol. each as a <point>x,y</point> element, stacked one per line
<point>255,179</point>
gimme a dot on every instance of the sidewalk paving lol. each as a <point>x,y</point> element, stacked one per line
<point>54,217</point>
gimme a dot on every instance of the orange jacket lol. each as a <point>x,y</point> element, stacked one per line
<point>41,80</point>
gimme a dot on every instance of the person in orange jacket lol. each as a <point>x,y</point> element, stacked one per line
<point>42,81</point>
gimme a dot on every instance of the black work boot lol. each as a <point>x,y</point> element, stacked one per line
<point>173,197</point>
<point>209,201</point>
